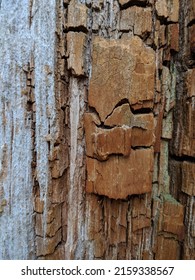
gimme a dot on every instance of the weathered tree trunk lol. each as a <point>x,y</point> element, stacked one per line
<point>97,133</point>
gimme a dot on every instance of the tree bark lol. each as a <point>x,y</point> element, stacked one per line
<point>97,134</point>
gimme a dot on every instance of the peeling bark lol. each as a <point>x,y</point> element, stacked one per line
<point>97,145</point>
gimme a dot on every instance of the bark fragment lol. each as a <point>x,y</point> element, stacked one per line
<point>111,59</point>
<point>107,178</point>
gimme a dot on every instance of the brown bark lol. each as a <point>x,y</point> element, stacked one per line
<point>120,150</point>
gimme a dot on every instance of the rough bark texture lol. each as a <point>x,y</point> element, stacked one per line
<point>97,134</point>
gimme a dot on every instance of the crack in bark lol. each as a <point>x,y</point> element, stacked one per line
<point>137,3</point>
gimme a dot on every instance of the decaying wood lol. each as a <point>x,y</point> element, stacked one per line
<point>97,134</point>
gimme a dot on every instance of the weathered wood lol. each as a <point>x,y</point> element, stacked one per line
<point>97,147</point>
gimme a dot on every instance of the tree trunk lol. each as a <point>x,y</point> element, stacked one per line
<point>97,134</point>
